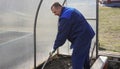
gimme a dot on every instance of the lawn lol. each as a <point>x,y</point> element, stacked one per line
<point>109,28</point>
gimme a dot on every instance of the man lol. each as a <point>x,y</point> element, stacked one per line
<point>74,27</point>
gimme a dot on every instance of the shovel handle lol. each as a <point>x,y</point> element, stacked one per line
<point>53,51</point>
<point>50,55</point>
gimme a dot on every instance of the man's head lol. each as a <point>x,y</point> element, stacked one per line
<point>56,8</point>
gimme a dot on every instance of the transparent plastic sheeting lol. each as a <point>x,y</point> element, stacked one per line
<point>47,26</point>
<point>46,30</point>
<point>16,33</point>
<point>16,30</point>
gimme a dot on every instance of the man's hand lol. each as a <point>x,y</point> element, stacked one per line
<point>53,51</point>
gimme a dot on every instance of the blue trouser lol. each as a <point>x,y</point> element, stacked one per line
<point>80,55</point>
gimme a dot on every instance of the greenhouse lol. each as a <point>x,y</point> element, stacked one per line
<point>28,30</point>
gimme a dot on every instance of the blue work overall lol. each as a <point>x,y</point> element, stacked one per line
<point>74,27</point>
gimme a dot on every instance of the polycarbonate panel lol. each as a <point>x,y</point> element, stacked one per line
<point>16,30</point>
<point>86,7</point>
<point>16,33</point>
<point>46,30</point>
<point>47,26</point>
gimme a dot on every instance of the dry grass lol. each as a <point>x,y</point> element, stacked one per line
<point>109,28</point>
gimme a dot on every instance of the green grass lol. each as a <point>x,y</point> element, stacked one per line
<point>109,28</point>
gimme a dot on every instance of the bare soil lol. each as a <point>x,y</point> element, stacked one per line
<point>114,63</point>
<point>64,62</point>
<point>58,62</point>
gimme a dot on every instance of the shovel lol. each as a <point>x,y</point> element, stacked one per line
<point>50,55</point>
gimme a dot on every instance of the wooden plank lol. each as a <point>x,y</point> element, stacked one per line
<point>100,62</point>
<point>109,54</point>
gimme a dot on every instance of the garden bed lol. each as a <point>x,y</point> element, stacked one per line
<point>64,62</point>
<point>58,62</point>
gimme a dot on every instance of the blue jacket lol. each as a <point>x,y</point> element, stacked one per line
<point>72,26</point>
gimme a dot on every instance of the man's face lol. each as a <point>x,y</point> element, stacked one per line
<point>56,11</point>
